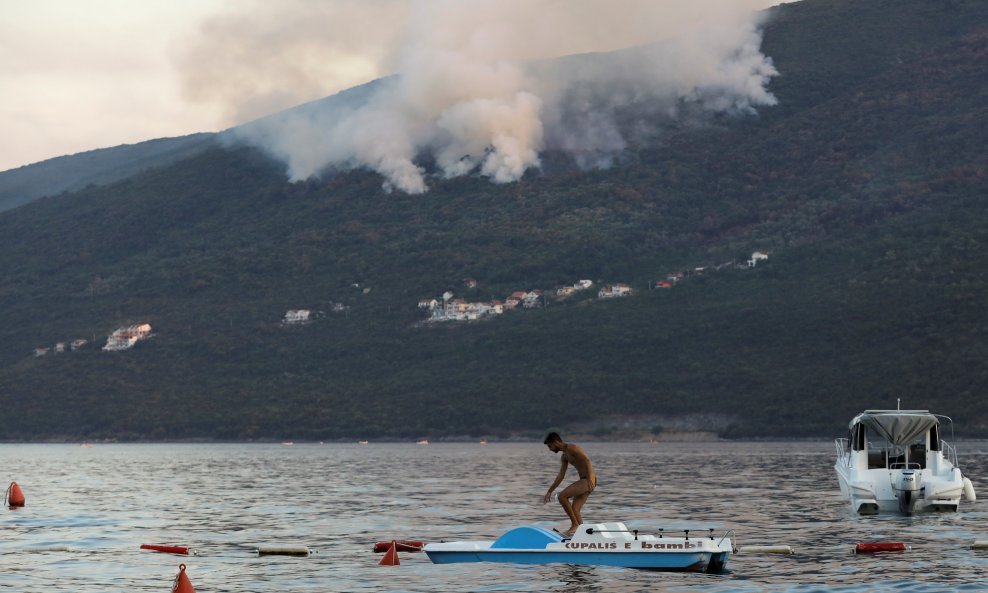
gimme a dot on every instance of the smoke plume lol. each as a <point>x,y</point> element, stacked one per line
<point>477,86</point>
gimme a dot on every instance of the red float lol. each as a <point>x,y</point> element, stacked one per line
<point>391,558</point>
<point>166,549</point>
<point>182,582</point>
<point>14,496</point>
<point>873,547</point>
<point>405,546</point>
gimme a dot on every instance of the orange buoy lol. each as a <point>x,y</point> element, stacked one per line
<point>14,497</point>
<point>872,547</point>
<point>167,549</point>
<point>391,558</point>
<point>182,582</point>
<point>406,546</point>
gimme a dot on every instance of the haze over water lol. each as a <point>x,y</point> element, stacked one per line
<point>225,500</point>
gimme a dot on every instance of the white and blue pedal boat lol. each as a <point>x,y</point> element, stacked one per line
<point>601,544</point>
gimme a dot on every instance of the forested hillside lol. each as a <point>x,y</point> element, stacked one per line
<point>866,186</point>
<point>95,167</point>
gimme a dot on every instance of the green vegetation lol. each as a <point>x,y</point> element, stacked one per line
<point>71,173</point>
<point>867,184</point>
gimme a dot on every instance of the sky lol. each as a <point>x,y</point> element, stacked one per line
<point>76,75</point>
<point>84,74</point>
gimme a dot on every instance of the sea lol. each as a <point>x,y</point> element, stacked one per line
<point>89,509</point>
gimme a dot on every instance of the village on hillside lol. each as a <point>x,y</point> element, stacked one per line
<point>441,309</point>
<point>121,338</point>
<point>448,308</point>
<point>295,317</point>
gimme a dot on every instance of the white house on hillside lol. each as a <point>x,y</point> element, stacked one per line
<point>614,290</point>
<point>532,299</point>
<point>297,316</point>
<point>125,337</point>
<point>756,257</point>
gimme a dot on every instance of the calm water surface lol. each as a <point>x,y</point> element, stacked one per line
<point>225,500</point>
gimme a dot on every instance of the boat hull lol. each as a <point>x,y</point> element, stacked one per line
<point>871,492</point>
<point>671,561</point>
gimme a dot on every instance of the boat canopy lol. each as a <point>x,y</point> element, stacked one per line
<point>899,427</point>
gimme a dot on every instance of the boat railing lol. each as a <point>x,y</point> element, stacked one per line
<point>842,449</point>
<point>909,465</point>
<point>730,534</point>
<point>661,532</point>
<point>949,452</point>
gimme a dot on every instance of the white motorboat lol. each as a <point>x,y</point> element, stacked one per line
<point>896,461</point>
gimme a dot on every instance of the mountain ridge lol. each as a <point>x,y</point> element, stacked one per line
<point>869,200</point>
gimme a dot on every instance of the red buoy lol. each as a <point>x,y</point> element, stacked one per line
<point>166,549</point>
<point>14,497</point>
<point>182,582</point>
<point>872,547</point>
<point>406,546</point>
<point>391,558</point>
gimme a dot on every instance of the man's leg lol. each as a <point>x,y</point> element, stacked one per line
<point>578,503</point>
<point>576,490</point>
<point>568,507</point>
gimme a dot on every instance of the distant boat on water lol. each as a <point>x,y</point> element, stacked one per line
<point>361,442</point>
<point>897,461</point>
<point>483,441</point>
<point>423,442</point>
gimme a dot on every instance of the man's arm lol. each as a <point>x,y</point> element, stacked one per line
<point>558,480</point>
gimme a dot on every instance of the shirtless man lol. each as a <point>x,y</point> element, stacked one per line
<point>579,490</point>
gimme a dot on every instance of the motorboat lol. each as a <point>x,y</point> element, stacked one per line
<point>598,544</point>
<point>897,461</point>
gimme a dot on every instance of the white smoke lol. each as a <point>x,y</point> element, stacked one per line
<point>477,88</point>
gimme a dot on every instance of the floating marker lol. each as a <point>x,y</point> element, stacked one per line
<point>405,546</point>
<point>283,551</point>
<point>182,582</point>
<point>766,550</point>
<point>873,547</point>
<point>969,494</point>
<point>14,496</point>
<point>40,549</point>
<point>166,549</point>
<point>391,558</point>
<point>980,544</point>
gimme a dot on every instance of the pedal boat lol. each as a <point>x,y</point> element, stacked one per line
<point>600,544</point>
<point>895,461</point>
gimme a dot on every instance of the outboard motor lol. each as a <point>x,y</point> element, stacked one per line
<point>908,490</point>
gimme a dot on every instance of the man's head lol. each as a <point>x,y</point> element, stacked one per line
<point>554,442</point>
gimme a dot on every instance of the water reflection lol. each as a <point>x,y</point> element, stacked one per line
<point>578,578</point>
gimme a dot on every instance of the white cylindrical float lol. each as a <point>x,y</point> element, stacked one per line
<point>969,491</point>
<point>41,549</point>
<point>766,550</point>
